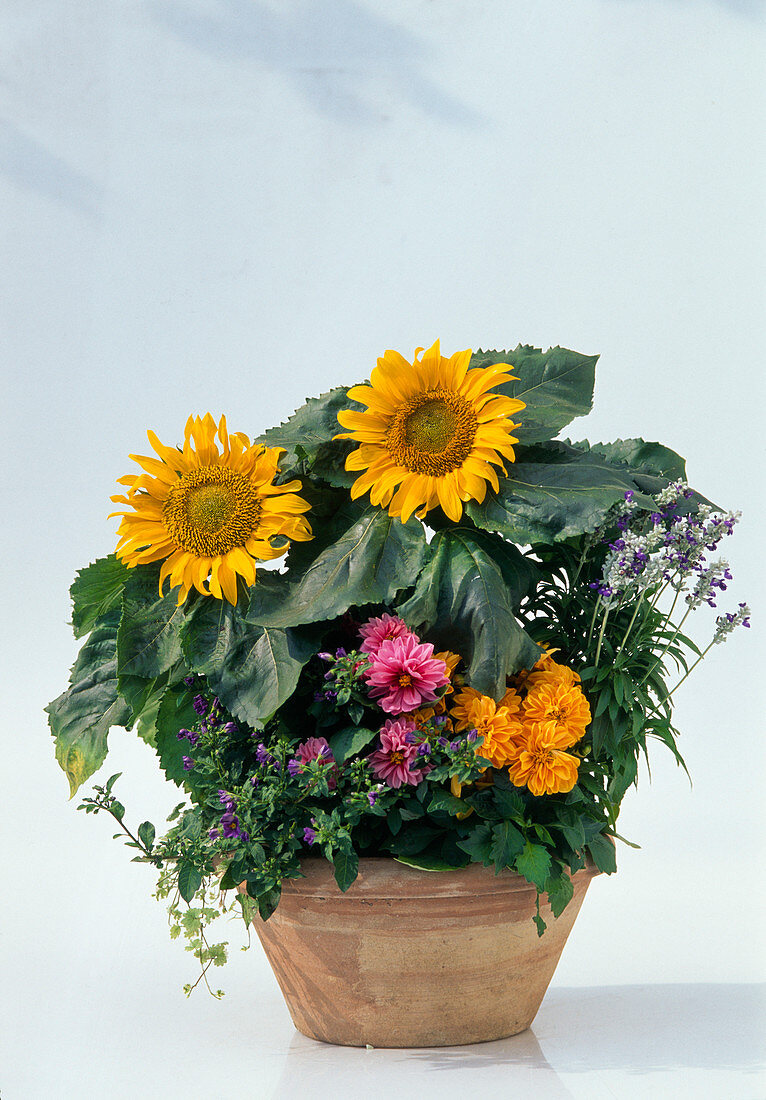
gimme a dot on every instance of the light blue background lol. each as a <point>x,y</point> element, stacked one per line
<point>229,205</point>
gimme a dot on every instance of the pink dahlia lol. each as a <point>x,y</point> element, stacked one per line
<point>404,674</point>
<point>397,753</point>
<point>315,748</point>
<point>381,629</point>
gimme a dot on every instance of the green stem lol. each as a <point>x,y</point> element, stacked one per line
<point>685,676</point>
<point>670,641</point>
<point>593,621</point>
<point>601,636</point>
<point>639,601</point>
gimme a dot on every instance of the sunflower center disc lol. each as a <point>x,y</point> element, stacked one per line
<point>433,433</point>
<point>211,510</point>
<point>431,427</point>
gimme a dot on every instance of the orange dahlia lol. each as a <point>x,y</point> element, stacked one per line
<point>561,708</point>
<point>541,765</point>
<point>498,727</point>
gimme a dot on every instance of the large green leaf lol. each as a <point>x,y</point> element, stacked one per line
<point>547,502</point>
<point>95,591</point>
<point>556,385</point>
<point>462,601</point>
<point>82,717</point>
<point>253,669</point>
<point>144,697</point>
<point>649,458</point>
<point>149,638</point>
<point>308,435</point>
<point>372,560</point>
<point>176,712</point>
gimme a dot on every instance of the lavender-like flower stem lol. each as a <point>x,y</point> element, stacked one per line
<point>670,641</point>
<point>639,601</point>
<point>593,621</point>
<point>601,636</point>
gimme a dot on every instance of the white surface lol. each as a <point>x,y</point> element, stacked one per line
<point>231,204</point>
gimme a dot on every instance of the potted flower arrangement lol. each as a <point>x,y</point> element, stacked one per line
<point>403,750</point>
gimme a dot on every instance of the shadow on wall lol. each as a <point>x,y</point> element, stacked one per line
<point>28,164</point>
<point>333,52</point>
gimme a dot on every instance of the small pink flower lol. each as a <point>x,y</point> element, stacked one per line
<point>381,629</point>
<point>393,760</point>
<point>404,674</point>
<point>315,748</point>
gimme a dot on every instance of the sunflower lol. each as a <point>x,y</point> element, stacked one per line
<point>540,764</point>
<point>208,515</point>
<point>432,432</point>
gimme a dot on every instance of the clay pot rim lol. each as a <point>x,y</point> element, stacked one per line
<point>385,877</point>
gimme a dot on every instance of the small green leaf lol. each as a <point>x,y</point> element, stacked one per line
<point>602,852</point>
<point>478,844</point>
<point>560,890</point>
<point>146,833</point>
<point>346,864</point>
<point>510,803</point>
<point>189,881</point>
<point>349,741</point>
<point>507,842</point>
<point>448,803</point>
<point>534,863</point>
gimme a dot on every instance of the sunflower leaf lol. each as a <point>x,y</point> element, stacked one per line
<point>82,716</point>
<point>253,669</point>
<point>149,638</point>
<point>312,426</point>
<point>552,501</point>
<point>649,458</point>
<point>95,591</point>
<point>371,560</point>
<point>463,601</point>
<point>556,386</point>
<point>175,712</point>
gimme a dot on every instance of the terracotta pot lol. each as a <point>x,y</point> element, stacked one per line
<point>409,958</point>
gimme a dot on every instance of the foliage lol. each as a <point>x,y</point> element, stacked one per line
<point>570,574</point>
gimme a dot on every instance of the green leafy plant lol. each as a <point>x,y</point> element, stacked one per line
<point>466,651</point>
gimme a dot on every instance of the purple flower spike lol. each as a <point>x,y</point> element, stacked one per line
<point>309,835</point>
<point>200,704</point>
<point>188,763</point>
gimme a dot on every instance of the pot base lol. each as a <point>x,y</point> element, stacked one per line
<point>409,958</point>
